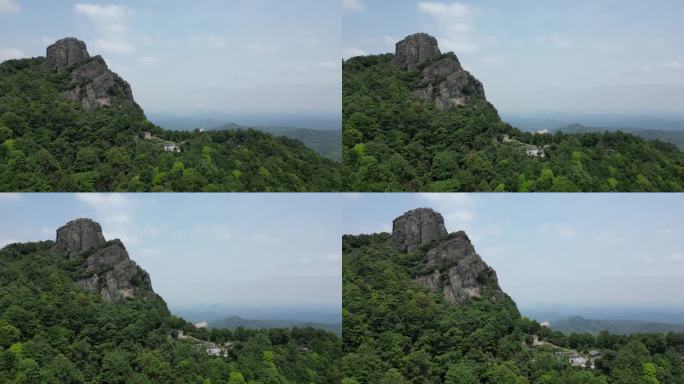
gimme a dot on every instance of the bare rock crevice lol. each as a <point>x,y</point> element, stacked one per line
<point>451,265</point>
<point>92,84</point>
<point>442,78</point>
<point>107,268</point>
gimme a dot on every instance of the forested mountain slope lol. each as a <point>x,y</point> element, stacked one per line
<point>420,306</point>
<point>79,310</point>
<point>68,123</point>
<point>417,121</point>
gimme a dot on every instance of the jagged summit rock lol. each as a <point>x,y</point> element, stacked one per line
<point>65,53</point>
<point>112,273</point>
<point>93,84</point>
<point>78,236</point>
<point>417,227</point>
<point>443,80</point>
<point>451,266</point>
<point>415,50</point>
<point>109,271</point>
<point>455,269</point>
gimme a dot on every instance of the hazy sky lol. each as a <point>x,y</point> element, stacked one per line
<point>269,250</point>
<point>580,56</point>
<point>237,56</point>
<point>617,250</point>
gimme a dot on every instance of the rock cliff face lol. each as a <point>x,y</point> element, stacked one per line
<point>417,227</point>
<point>443,80</point>
<point>108,271</point>
<point>92,83</point>
<point>451,266</point>
<point>78,236</point>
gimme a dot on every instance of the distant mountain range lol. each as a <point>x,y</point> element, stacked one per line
<point>579,324</point>
<point>668,136</point>
<point>325,141</point>
<point>235,322</point>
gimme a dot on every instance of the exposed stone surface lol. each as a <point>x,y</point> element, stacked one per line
<point>455,269</point>
<point>443,80</point>
<point>108,271</point>
<point>415,50</point>
<point>417,227</point>
<point>78,236</point>
<point>92,83</point>
<point>65,53</point>
<point>114,275</point>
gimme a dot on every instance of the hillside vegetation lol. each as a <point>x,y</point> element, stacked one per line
<point>395,140</point>
<point>50,143</point>
<point>54,331</point>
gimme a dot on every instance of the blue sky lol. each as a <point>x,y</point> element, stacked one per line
<point>229,250</point>
<point>582,250</point>
<point>605,56</point>
<point>237,56</point>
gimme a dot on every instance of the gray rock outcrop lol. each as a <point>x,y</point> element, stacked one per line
<point>451,266</point>
<point>455,269</point>
<point>443,80</point>
<point>417,227</point>
<point>65,53</point>
<point>78,236</point>
<point>109,270</point>
<point>415,50</point>
<point>114,275</point>
<point>92,84</point>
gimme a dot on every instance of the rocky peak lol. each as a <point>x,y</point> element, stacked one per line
<point>451,266</point>
<point>415,50</point>
<point>417,227</point>
<point>108,271</point>
<point>455,269</point>
<point>93,84</point>
<point>78,236</point>
<point>442,79</point>
<point>112,273</point>
<point>65,53</point>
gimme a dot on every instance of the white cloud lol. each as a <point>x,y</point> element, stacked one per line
<point>327,65</point>
<point>492,60</point>
<point>332,257</point>
<point>675,256</point>
<point>10,197</point>
<point>456,21</point>
<point>457,208</point>
<point>10,54</point>
<point>561,230</point>
<point>115,213</point>
<point>209,39</point>
<point>310,42</point>
<point>222,232</point>
<point>6,241</point>
<point>674,65</point>
<point>605,47</point>
<point>9,6</point>
<point>352,5</point>
<point>353,52</point>
<point>148,60</point>
<point>111,21</point>
<point>262,47</point>
<point>47,40</point>
<point>555,39</point>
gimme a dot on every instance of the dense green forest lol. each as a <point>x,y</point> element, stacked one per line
<point>52,331</point>
<point>395,141</point>
<point>396,331</point>
<point>48,143</point>
<point>326,142</point>
<point>675,137</point>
